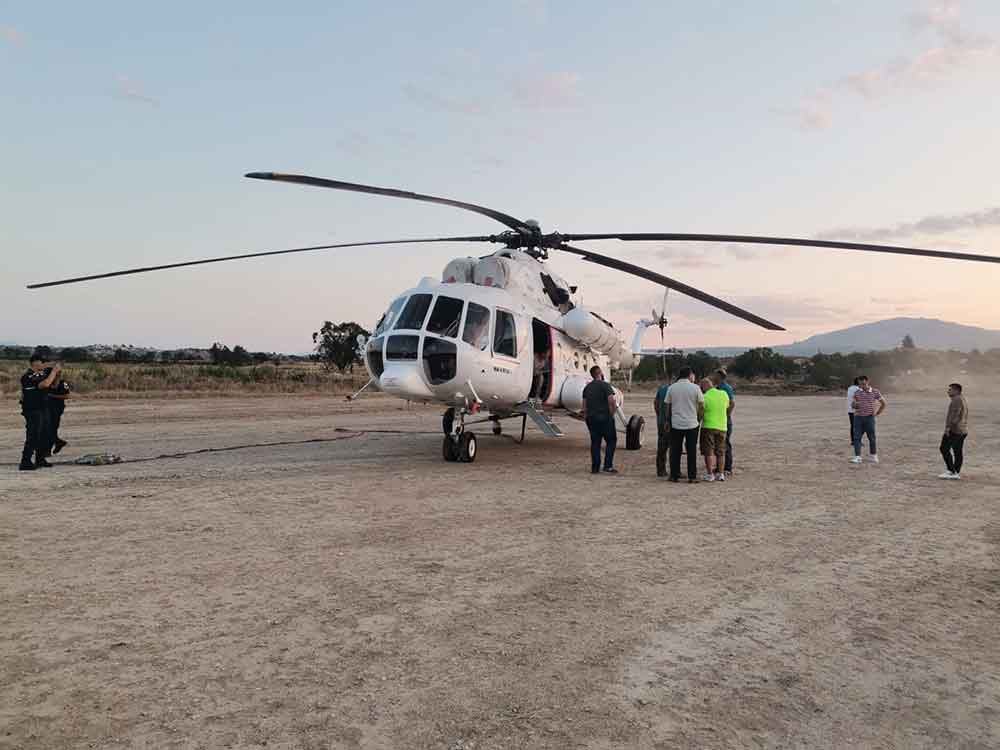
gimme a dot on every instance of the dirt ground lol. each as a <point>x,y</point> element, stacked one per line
<point>358,592</point>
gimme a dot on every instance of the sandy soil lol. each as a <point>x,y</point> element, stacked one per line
<point>361,593</point>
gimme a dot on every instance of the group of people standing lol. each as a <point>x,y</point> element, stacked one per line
<point>689,414</point>
<point>865,403</point>
<point>43,399</point>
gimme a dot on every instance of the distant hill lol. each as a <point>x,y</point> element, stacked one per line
<point>927,333</point>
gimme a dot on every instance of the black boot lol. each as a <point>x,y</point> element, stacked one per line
<point>60,444</point>
<point>26,466</point>
<point>41,463</point>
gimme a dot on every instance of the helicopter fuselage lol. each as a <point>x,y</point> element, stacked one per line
<point>462,344</point>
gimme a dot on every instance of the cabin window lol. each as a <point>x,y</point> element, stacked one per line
<point>446,316</point>
<point>440,360</point>
<point>385,322</point>
<point>505,335</point>
<point>477,327</point>
<point>414,312</point>
<point>402,347</point>
<point>374,352</point>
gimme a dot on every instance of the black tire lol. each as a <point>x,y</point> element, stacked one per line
<point>634,432</point>
<point>447,420</point>
<point>467,447</point>
<point>449,449</point>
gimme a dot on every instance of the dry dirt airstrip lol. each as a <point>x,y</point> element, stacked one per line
<point>358,592</point>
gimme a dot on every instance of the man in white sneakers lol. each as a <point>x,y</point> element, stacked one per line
<point>956,428</point>
<point>868,404</point>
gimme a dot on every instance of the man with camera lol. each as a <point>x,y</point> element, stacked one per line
<point>35,384</point>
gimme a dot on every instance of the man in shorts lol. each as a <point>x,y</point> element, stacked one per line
<point>713,431</point>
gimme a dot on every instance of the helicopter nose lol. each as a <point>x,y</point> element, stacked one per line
<point>404,381</point>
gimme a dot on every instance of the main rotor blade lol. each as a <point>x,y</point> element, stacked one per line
<point>690,291</point>
<point>741,238</point>
<point>251,255</point>
<point>509,221</point>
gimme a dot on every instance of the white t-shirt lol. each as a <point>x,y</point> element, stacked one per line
<point>850,398</point>
<point>684,397</point>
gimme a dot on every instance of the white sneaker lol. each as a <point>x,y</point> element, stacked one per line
<point>720,477</point>
<point>955,475</point>
<point>856,460</point>
<point>873,458</point>
<point>709,478</point>
<point>946,475</point>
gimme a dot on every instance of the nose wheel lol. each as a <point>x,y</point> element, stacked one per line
<point>458,444</point>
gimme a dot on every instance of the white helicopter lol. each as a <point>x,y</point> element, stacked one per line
<point>501,336</point>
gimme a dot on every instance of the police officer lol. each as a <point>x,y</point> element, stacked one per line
<point>56,403</point>
<point>34,406</point>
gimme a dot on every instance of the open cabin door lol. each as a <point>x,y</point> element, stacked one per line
<point>541,349</point>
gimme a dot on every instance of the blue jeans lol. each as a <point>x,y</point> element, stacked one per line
<point>864,426</point>
<point>602,428</point>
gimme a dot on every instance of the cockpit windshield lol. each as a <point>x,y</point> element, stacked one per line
<point>386,321</point>
<point>446,316</point>
<point>414,313</point>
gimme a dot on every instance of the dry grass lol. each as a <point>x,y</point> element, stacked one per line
<point>120,380</point>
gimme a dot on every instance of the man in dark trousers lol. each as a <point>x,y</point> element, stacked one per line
<point>685,407</point>
<point>722,383</point>
<point>58,394</point>
<point>956,429</point>
<point>662,429</point>
<point>34,407</point>
<point>599,406</point>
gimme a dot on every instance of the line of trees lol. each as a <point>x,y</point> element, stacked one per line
<point>821,370</point>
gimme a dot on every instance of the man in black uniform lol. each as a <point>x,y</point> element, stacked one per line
<point>599,408</point>
<point>34,397</point>
<point>56,402</point>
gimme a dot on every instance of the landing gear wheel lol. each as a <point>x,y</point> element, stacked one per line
<point>634,432</point>
<point>447,421</point>
<point>467,448</point>
<point>497,429</point>
<point>449,449</point>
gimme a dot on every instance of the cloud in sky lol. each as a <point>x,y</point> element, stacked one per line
<point>13,36</point>
<point>939,224</point>
<point>131,90</point>
<point>436,100</point>
<point>536,10</point>
<point>549,90</point>
<point>954,50</point>
<point>536,91</point>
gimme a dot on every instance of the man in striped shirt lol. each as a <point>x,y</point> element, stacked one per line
<point>868,404</point>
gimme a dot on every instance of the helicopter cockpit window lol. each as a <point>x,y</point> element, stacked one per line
<point>477,327</point>
<point>387,320</point>
<point>414,312</point>
<point>446,316</point>
<point>505,335</point>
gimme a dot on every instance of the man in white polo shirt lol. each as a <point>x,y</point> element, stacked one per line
<point>685,405</point>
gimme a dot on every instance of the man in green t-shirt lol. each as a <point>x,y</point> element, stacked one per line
<point>713,431</point>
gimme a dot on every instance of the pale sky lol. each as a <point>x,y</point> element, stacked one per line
<point>125,129</point>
